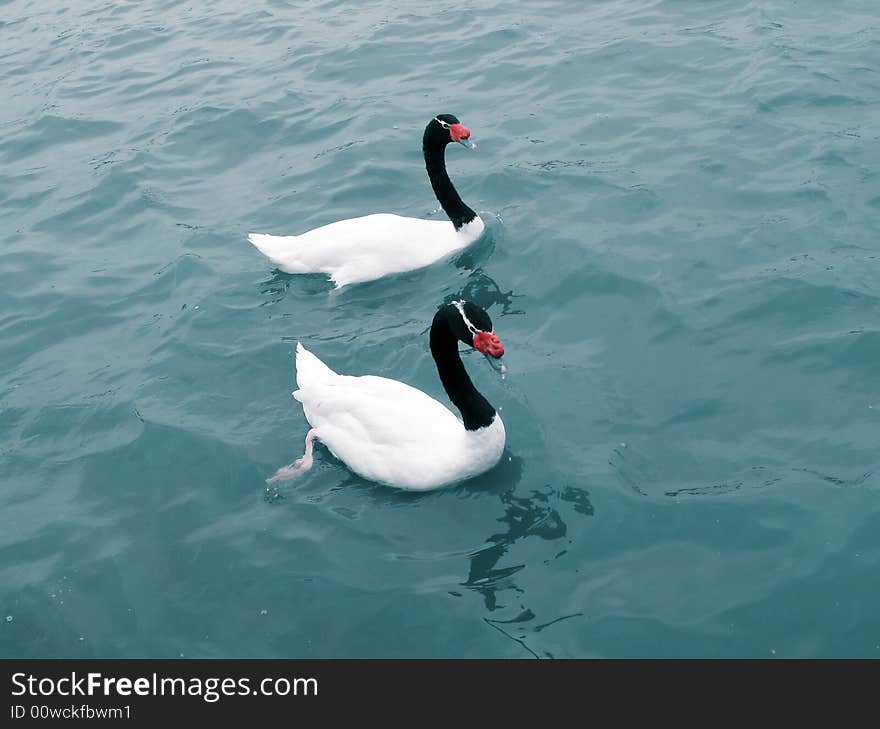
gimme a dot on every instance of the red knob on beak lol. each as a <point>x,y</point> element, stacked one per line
<point>459,132</point>
<point>489,344</point>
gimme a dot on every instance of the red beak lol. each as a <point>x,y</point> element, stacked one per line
<point>488,344</point>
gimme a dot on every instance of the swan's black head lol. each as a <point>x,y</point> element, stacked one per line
<point>471,325</point>
<point>446,128</point>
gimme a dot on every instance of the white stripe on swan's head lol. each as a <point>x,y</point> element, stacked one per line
<point>467,322</point>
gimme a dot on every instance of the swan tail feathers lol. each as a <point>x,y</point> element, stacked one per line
<point>282,250</point>
<point>309,369</point>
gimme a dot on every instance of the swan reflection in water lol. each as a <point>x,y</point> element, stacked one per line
<point>525,516</point>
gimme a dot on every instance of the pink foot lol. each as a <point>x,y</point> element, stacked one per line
<point>299,466</point>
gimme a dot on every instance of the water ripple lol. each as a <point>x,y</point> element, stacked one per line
<point>681,206</point>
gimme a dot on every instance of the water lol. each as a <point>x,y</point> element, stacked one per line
<point>682,261</point>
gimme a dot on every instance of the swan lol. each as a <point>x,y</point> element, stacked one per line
<point>369,247</point>
<point>388,432</point>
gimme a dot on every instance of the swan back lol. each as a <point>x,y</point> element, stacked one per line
<point>388,432</point>
<point>366,248</point>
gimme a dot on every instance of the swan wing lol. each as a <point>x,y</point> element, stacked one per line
<point>382,429</point>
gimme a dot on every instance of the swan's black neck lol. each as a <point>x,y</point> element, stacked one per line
<point>435,162</point>
<point>476,411</point>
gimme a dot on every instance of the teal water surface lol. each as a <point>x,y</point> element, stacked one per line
<point>682,260</point>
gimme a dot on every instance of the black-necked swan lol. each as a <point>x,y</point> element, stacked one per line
<point>391,433</point>
<point>372,246</point>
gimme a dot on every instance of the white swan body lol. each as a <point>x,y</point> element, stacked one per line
<point>389,432</point>
<point>366,248</point>
<point>372,246</point>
